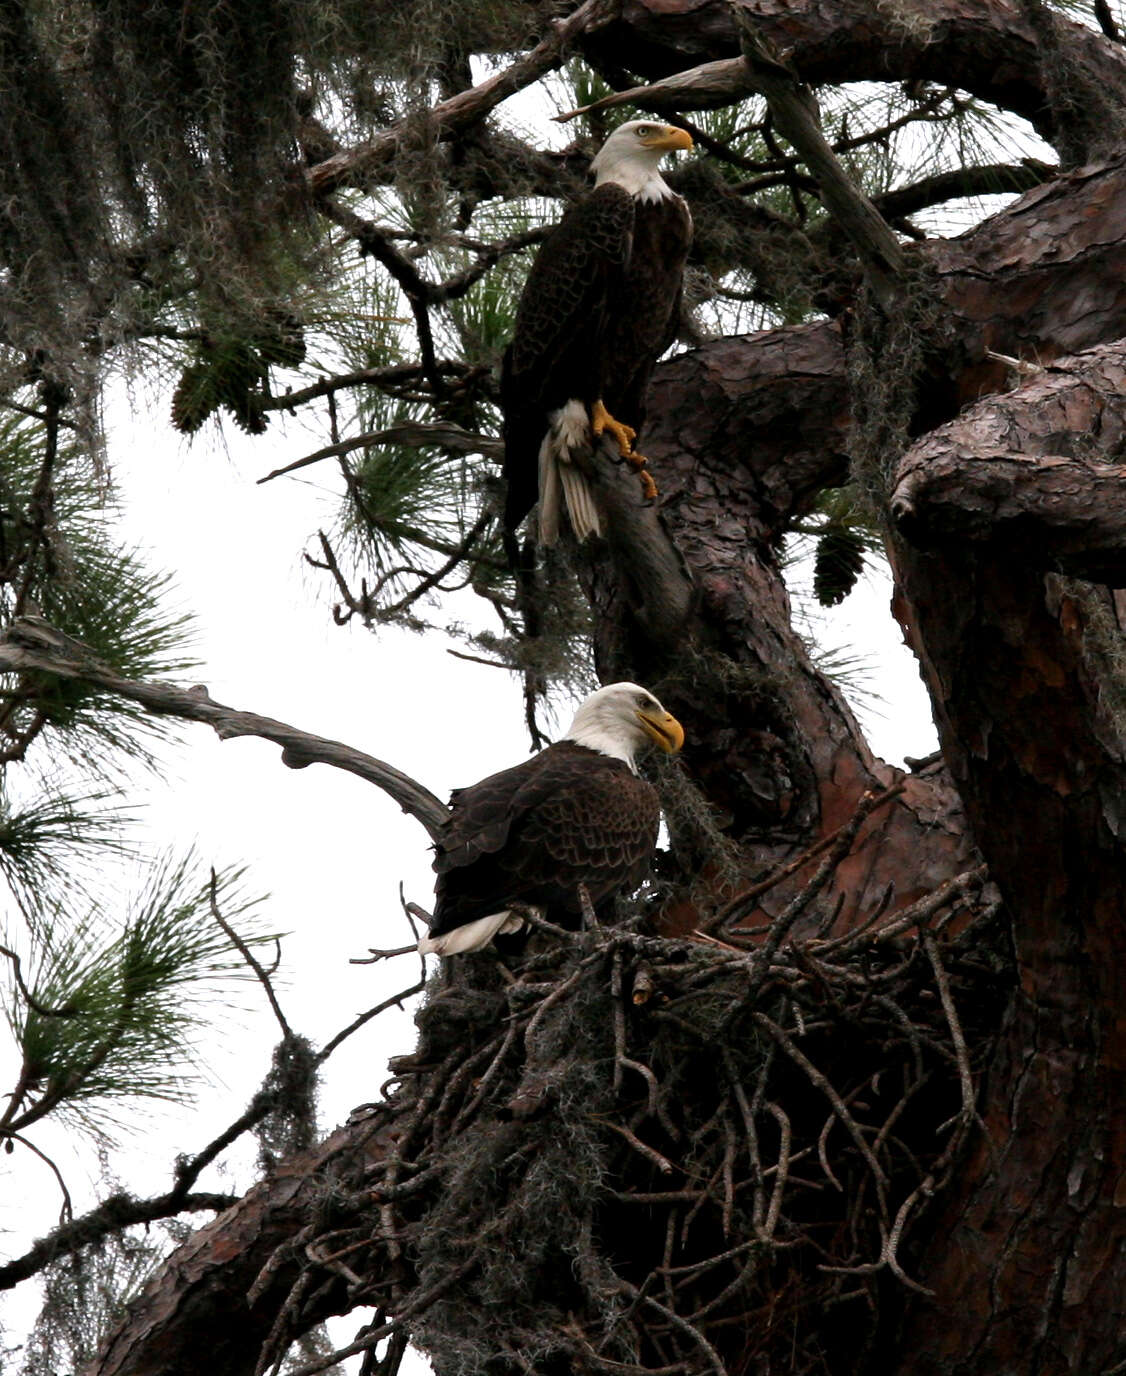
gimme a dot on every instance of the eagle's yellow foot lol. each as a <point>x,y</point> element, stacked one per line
<point>601,419</point>
<point>637,462</point>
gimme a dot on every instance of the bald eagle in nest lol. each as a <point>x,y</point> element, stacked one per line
<point>576,813</point>
<point>599,308</point>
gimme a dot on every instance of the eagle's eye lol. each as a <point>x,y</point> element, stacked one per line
<point>644,131</point>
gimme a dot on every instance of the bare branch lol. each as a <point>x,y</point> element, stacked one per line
<point>444,434</point>
<point>706,87</point>
<point>373,240</point>
<point>249,956</point>
<point>986,180</point>
<point>29,998</point>
<point>389,377</point>
<point>114,1214</point>
<point>66,1213</point>
<point>32,644</point>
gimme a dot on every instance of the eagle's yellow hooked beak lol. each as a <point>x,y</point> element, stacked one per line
<point>669,138</point>
<point>664,729</point>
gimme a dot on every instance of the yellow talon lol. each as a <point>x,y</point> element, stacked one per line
<point>637,462</point>
<point>601,419</point>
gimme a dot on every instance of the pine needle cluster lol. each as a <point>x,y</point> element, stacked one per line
<point>115,1006</point>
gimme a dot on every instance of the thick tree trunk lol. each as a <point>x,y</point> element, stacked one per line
<point>1022,665</point>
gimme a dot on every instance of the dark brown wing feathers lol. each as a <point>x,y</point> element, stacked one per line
<point>532,834</point>
<point>643,329</point>
<point>566,286</point>
<point>555,352</point>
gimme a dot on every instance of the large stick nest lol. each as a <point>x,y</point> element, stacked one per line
<point>637,1154</point>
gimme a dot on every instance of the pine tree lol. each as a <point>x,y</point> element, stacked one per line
<point>853,1051</point>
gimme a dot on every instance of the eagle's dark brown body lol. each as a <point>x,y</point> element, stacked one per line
<point>599,308</point>
<point>532,834</point>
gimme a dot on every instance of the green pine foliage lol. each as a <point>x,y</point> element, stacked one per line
<point>53,843</point>
<point>119,1003</point>
<point>407,498</point>
<point>114,991</point>
<point>232,370</point>
<point>63,562</point>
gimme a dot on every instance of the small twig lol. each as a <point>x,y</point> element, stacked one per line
<point>247,955</point>
<point>414,1306</point>
<point>477,659</point>
<point>690,1330</point>
<point>969,1109</point>
<point>775,1209</point>
<point>377,955</point>
<point>892,1242</point>
<point>354,1026</point>
<point>66,1213</point>
<point>823,1154</point>
<point>652,1108</point>
<point>560,991</point>
<point>66,1011</point>
<point>780,927</point>
<point>817,1078</point>
<point>439,434</point>
<point>663,1164</point>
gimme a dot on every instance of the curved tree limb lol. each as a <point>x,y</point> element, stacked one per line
<point>32,644</point>
<point>112,1215</point>
<point>1032,470</point>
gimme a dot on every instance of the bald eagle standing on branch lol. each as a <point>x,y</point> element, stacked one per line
<point>599,308</point>
<point>574,814</point>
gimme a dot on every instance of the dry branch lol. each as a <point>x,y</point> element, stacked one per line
<point>795,113</point>
<point>30,644</point>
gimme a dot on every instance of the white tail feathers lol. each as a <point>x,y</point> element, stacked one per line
<point>568,430</point>
<point>472,936</point>
<point>550,492</point>
<point>585,520</point>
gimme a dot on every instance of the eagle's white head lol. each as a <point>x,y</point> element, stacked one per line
<point>632,154</point>
<point>621,718</point>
